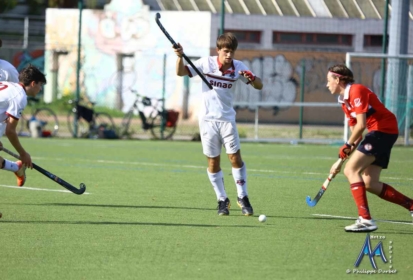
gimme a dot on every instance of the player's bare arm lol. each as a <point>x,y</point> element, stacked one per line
<point>180,66</point>
<point>257,83</point>
<point>14,140</point>
<point>357,130</point>
<point>336,168</point>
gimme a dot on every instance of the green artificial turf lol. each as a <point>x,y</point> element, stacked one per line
<point>150,213</point>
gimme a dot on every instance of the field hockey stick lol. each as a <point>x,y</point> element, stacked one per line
<point>327,182</point>
<point>324,187</point>
<point>51,176</point>
<point>175,45</point>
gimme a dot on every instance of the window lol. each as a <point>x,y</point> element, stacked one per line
<point>246,36</point>
<point>311,38</point>
<point>374,40</point>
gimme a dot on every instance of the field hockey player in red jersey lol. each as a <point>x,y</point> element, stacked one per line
<point>365,111</point>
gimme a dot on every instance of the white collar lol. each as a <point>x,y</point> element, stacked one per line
<point>342,98</point>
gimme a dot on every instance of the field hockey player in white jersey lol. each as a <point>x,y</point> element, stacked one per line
<point>13,100</point>
<point>217,116</point>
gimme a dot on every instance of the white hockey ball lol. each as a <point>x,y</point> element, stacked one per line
<point>262,218</point>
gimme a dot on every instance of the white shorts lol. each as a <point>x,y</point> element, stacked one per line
<point>215,134</point>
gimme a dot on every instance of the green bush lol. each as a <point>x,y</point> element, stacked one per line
<point>242,132</point>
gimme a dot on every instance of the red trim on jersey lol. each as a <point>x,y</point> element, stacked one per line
<point>228,71</point>
<point>23,87</point>
<point>362,100</point>
<point>220,78</point>
<point>11,116</point>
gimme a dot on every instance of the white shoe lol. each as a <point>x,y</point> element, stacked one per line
<point>362,225</point>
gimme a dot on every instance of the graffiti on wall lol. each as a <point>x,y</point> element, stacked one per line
<point>122,51</point>
<point>281,75</point>
<point>22,58</point>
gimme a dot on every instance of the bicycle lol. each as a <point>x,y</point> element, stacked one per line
<point>88,121</point>
<point>161,123</point>
<point>47,123</point>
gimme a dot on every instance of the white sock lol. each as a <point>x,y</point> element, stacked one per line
<point>10,165</point>
<point>217,181</point>
<point>240,178</point>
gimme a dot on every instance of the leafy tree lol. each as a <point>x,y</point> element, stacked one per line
<point>63,3</point>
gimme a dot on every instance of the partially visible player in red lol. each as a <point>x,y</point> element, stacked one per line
<point>364,110</point>
<point>13,100</point>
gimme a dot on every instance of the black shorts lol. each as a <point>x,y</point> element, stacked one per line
<point>379,145</point>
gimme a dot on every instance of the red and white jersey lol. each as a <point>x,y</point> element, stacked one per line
<point>13,100</point>
<point>8,72</point>
<point>359,99</point>
<point>218,102</point>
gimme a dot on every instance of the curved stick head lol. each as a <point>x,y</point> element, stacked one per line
<point>158,16</point>
<point>310,202</point>
<point>82,188</point>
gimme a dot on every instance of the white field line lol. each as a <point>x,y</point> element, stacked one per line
<point>204,167</point>
<point>38,189</point>
<point>352,218</point>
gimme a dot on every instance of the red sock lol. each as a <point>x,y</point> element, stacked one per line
<point>390,194</point>
<point>359,194</point>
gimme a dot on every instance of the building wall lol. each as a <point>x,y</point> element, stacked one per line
<point>132,30</point>
<point>282,64</point>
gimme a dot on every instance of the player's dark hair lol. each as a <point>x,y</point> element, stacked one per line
<point>227,40</point>
<point>344,73</point>
<point>31,74</point>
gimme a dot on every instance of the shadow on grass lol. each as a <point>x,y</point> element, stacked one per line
<point>124,224</point>
<point>399,232</point>
<point>113,206</point>
<point>404,222</point>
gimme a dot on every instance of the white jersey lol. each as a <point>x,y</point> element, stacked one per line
<point>218,102</point>
<point>8,72</point>
<point>13,100</point>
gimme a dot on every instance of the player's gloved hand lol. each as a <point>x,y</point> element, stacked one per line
<point>248,75</point>
<point>344,151</point>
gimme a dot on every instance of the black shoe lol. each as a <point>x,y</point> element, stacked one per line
<point>223,207</point>
<point>245,205</point>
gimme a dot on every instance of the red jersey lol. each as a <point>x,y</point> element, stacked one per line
<point>359,99</point>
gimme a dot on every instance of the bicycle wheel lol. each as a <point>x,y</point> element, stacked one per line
<point>157,121</point>
<point>124,126</point>
<point>82,125</point>
<point>48,121</point>
<point>104,119</point>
